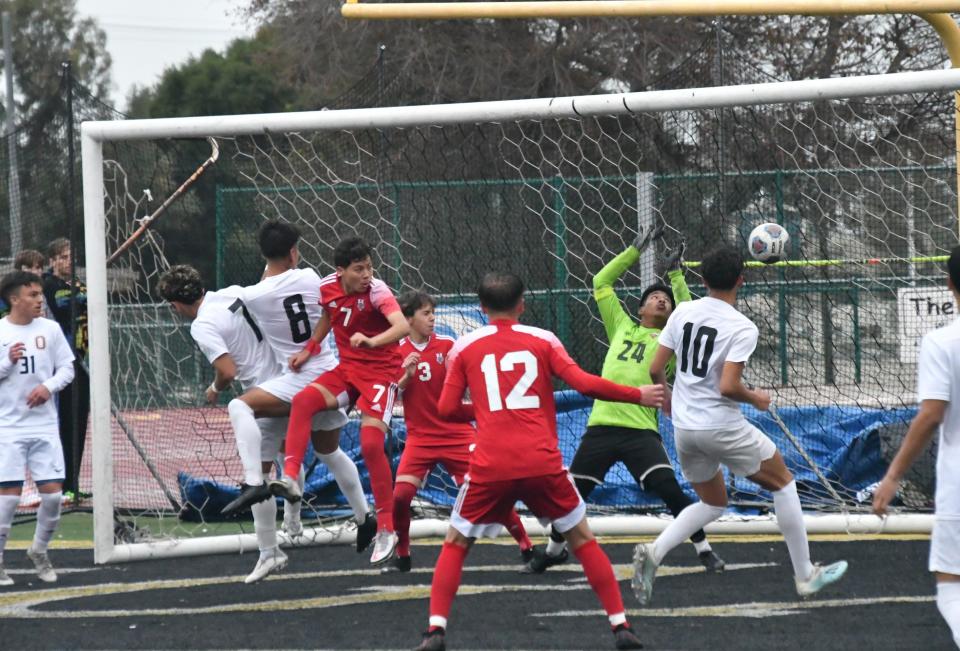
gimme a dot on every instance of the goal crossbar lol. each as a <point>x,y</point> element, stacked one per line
<point>94,134</point>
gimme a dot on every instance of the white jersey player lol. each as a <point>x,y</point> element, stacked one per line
<point>712,342</point>
<point>36,362</point>
<point>938,391</point>
<point>234,345</point>
<point>286,304</point>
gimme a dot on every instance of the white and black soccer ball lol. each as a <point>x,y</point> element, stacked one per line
<point>768,243</point>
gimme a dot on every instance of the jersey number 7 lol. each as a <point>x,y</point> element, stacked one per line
<point>517,398</point>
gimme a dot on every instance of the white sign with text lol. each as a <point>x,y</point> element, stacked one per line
<point>920,310</point>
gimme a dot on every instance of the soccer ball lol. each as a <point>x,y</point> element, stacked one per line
<point>768,243</point>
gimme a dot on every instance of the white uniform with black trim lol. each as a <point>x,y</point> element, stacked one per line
<point>938,378</point>
<point>30,436</point>
<point>709,428</point>
<point>287,307</point>
<point>224,326</point>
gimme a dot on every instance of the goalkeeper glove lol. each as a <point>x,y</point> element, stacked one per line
<point>646,235</point>
<point>675,259</point>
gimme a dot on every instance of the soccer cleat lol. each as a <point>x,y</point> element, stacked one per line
<point>823,575</point>
<point>384,545</point>
<point>366,531</point>
<point>541,560</point>
<point>249,495</point>
<point>433,641</point>
<point>293,528</point>
<point>286,488</point>
<point>526,555</point>
<point>273,563</point>
<point>4,577</point>
<point>41,561</point>
<point>398,565</point>
<point>625,638</point>
<point>644,572</point>
<point>713,563</point>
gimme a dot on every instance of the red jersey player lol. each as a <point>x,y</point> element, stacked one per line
<point>509,370</point>
<point>430,439</point>
<point>367,324</point>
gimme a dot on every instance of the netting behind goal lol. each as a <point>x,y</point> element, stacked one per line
<point>866,188</point>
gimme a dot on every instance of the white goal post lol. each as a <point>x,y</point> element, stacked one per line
<point>96,134</point>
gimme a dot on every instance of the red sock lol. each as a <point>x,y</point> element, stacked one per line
<point>600,574</point>
<point>515,527</point>
<point>403,493</point>
<point>446,580</point>
<point>304,405</point>
<point>381,479</point>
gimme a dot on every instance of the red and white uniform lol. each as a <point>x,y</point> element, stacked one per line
<point>430,439</point>
<point>364,375</point>
<point>509,370</point>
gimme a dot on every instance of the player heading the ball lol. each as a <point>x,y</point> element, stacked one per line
<point>712,342</point>
<point>509,369</point>
<point>367,324</point>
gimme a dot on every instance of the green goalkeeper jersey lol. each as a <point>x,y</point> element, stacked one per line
<point>632,346</point>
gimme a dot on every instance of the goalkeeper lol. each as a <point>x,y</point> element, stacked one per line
<point>619,431</point>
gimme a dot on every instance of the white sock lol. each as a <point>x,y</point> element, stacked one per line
<point>265,526</point>
<point>555,548</point>
<point>948,603</point>
<point>786,506</point>
<point>291,510</point>
<point>248,436</point>
<point>348,479</point>
<point>8,507</point>
<point>691,519</point>
<point>48,517</point>
<point>617,619</point>
<point>702,546</point>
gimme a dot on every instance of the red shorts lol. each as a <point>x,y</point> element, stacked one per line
<point>373,391</point>
<point>482,506</point>
<point>419,460</point>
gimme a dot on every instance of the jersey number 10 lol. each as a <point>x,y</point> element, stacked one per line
<point>702,349</point>
<point>517,398</point>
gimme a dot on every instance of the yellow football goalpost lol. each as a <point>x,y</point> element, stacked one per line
<point>934,12</point>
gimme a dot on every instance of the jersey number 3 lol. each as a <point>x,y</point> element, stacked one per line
<point>517,398</point>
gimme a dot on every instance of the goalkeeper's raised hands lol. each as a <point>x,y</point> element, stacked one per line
<point>674,261</point>
<point>646,235</point>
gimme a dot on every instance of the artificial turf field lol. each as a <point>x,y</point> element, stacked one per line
<point>329,598</point>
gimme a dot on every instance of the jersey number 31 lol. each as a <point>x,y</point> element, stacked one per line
<point>517,398</point>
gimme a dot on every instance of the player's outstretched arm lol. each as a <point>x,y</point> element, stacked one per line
<point>314,344</point>
<point>678,283</point>
<point>595,386</point>
<point>918,437</point>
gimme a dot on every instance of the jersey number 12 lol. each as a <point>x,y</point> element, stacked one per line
<point>517,398</point>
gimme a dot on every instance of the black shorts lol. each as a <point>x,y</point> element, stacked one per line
<point>640,450</point>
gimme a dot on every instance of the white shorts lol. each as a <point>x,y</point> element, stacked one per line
<point>741,449</point>
<point>944,548</point>
<point>42,453</point>
<point>286,385</point>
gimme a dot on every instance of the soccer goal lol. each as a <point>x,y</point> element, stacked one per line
<point>861,172</point>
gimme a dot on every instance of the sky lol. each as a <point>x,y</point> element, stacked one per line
<point>144,37</point>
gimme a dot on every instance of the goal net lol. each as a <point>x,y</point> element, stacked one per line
<point>860,171</point>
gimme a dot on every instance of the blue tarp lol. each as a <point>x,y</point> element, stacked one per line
<point>844,442</point>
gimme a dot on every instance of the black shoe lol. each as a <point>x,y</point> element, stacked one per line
<point>542,560</point>
<point>526,555</point>
<point>249,495</point>
<point>625,638</point>
<point>397,564</point>
<point>712,562</point>
<point>433,641</point>
<point>366,531</point>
